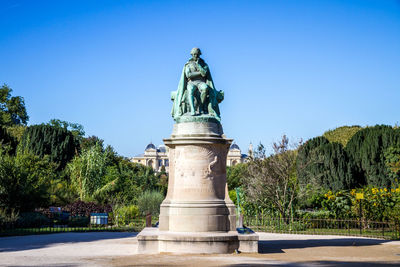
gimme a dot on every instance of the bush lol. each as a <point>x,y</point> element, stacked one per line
<point>123,215</point>
<point>80,208</point>
<point>232,196</point>
<point>318,214</point>
<point>149,202</point>
<point>7,219</point>
<point>78,221</point>
<point>24,181</point>
<point>32,219</point>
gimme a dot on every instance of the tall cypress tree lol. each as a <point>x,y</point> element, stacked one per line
<point>366,149</point>
<point>56,142</point>
<point>307,167</point>
<point>325,164</point>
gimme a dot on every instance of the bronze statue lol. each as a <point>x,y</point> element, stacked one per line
<point>196,95</point>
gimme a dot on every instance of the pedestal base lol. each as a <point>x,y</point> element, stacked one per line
<point>153,241</point>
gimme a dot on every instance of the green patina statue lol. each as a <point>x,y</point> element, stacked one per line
<point>196,98</point>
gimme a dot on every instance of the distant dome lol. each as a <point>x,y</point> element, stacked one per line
<point>162,149</point>
<point>150,146</point>
<point>234,146</point>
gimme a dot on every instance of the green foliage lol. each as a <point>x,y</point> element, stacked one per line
<point>87,171</point>
<point>339,204</point>
<point>123,215</point>
<point>325,165</point>
<point>7,142</point>
<point>232,196</point>
<point>32,219</point>
<point>8,217</point>
<point>392,162</point>
<point>12,109</point>
<point>366,149</point>
<point>319,214</point>
<point>90,141</point>
<point>149,202</point>
<point>62,191</point>
<point>125,181</point>
<point>162,184</point>
<point>75,128</point>
<point>58,143</point>
<point>16,131</point>
<point>78,221</point>
<point>308,162</point>
<point>272,180</point>
<point>24,181</point>
<point>235,175</point>
<point>378,204</point>
<point>342,134</point>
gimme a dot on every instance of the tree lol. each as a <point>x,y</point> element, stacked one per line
<point>75,128</point>
<point>366,149</point>
<point>392,161</point>
<point>342,134</point>
<point>125,181</point>
<point>25,181</point>
<point>272,180</point>
<point>12,109</point>
<point>149,202</point>
<point>322,164</point>
<point>58,143</point>
<point>235,175</point>
<point>91,141</point>
<point>87,171</point>
<point>7,142</point>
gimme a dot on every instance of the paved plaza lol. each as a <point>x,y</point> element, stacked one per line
<point>117,249</point>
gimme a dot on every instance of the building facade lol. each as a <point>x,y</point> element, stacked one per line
<point>157,157</point>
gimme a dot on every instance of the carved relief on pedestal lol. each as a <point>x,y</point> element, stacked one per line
<point>198,170</point>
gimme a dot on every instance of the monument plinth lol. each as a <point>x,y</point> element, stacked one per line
<point>197,215</point>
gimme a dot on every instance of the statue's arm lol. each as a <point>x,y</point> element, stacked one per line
<point>192,74</point>
<point>203,70</point>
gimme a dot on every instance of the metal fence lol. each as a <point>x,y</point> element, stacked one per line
<point>385,230</point>
<point>71,225</point>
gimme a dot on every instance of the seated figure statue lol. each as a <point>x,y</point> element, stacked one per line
<point>196,94</point>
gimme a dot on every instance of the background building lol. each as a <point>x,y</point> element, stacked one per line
<point>158,157</point>
<point>153,157</point>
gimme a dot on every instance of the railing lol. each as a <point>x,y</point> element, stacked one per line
<point>385,230</point>
<point>54,226</point>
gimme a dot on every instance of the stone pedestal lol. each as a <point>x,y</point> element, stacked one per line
<point>197,215</point>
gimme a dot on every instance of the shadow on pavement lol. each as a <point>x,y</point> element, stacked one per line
<point>18,243</point>
<point>322,263</point>
<point>277,246</point>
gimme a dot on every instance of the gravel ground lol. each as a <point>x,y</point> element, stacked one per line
<point>118,249</point>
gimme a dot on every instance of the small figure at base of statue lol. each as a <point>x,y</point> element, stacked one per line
<point>196,96</point>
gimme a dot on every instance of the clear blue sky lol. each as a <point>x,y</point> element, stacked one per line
<point>287,67</point>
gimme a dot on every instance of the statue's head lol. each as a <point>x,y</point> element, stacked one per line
<point>195,52</point>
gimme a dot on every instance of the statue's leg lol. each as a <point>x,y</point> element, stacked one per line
<point>203,87</point>
<point>213,104</point>
<point>191,89</point>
